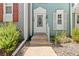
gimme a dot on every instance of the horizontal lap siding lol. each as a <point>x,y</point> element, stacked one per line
<point>54,30</point>
<point>54,21</point>
<point>65,21</point>
<point>73,20</point>
<point>1,12</point>
<point>51,11</point>
<point>19,18</point>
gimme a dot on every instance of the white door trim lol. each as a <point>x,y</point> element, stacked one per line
<point>40,11</point>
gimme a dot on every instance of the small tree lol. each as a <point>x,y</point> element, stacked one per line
<point>9,37</point>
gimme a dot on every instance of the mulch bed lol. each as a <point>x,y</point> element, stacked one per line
<point>2,52</point>
<point>67,49</point>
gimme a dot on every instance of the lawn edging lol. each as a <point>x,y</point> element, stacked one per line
<point>18,48</point>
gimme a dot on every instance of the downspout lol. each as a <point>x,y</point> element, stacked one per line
<point>31,19</point>
<point>69,19</point>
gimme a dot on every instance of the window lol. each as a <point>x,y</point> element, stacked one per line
<point>39,20</point>
<point>7,12</point>
<point>8,9</point>
<point>59,18</point>
<point>7,3</point>
<point>77,18</point>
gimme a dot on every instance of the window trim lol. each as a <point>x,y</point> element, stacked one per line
<point>6,5</point>
<point>60,26</point>
<point>77,19</point>
<point>58,12</point>
<point>11,14</point>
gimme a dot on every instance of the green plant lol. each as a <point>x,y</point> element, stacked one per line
<point>60,38</point>
<point>9,37</point>
<point>57,39</point>
<point>75,34</point>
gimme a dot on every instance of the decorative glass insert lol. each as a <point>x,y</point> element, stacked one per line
<point>39,20</point>
<point>8,9</point>
<point>59,18</point>
<point>77,18</point>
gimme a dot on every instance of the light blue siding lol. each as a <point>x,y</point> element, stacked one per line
<point>20,23</point>
<point>51,11</point>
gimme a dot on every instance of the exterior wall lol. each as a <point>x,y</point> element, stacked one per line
<point>20,22</point>
<point>51,13</point>
<point>76,13</point>
<point>73,20</point>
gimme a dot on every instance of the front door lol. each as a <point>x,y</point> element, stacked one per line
<point>39,21</point>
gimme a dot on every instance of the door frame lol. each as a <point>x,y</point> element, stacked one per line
<point>40,11</point>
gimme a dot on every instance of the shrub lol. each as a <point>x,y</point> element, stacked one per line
<point>75,34</point>
<point>9,37</point>
<point>60,38</point>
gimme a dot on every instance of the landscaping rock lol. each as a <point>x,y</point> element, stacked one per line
<point>68,49</point>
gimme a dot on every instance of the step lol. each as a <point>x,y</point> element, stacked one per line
<point>39,39</point>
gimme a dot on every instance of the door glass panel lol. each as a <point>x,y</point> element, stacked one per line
<point>39,20</point>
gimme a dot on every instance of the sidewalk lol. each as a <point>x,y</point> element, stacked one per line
<point>40,51</point>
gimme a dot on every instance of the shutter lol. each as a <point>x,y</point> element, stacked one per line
<point>1,12</point>
<point>15,12</point>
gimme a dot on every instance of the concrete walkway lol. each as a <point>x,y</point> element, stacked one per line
<point>40,51</point>
<point>39,46</point>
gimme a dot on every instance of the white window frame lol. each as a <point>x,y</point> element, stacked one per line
<point>60,26</point>
<point>8,17</point>
<point>76,24</point>
<point>77,19</point>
